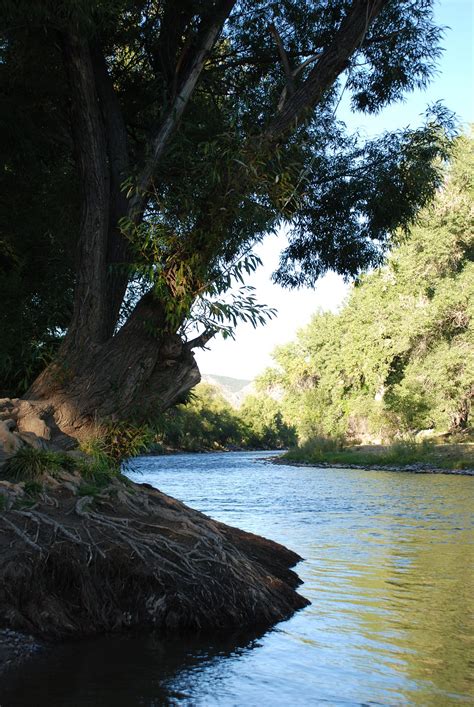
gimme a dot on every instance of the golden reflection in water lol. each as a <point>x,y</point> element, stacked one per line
<point>389,571</point>
<point>412,599</point>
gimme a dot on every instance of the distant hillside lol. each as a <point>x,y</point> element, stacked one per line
<point>234,390</point>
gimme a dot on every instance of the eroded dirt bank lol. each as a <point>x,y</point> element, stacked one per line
<point>74,563</point>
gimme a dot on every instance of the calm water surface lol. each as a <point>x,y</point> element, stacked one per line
<point>389,570</point>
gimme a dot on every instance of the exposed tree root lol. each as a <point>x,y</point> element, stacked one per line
<point>131,556</point>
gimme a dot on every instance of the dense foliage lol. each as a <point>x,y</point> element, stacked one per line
<point>399,357</point>
<point>39,212</point>
<point>208,422</point>
<point>172,214</point>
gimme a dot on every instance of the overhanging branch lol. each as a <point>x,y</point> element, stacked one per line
<point>331,63</point>
<point>290,84</point>
<point>199,342</point>
<point>176,109</point>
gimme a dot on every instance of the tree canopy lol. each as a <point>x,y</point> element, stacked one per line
<point>162,140</point>
<point>399,357</point>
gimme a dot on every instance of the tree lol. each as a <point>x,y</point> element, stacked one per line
<point>207,421</point>
<point>264,423</point>
<point>185,131</point>
<point>399,357</point>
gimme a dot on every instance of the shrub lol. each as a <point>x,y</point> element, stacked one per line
<point>114,443</point>
<point>29,464</point>
<point>319,446</point>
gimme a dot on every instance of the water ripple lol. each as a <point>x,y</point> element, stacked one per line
<point>389,569</point>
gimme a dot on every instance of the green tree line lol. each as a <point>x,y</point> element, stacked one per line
<point>207,421</point>
<point>399,357</point>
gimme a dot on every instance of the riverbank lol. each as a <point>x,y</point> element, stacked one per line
<point>413,468</point>
<point>85,551</point>
<point>160,450</point>
<point>78,559</point>
<point>416,458</point>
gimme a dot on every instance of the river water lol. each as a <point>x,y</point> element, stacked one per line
<point>389,569</point>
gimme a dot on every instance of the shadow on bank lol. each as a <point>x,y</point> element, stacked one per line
<point>123,669</point>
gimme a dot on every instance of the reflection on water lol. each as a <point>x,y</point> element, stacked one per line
<point>389,572</point>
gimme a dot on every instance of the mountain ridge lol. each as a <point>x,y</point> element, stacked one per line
<point>234,390</point>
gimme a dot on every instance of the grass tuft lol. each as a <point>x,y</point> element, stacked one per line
<point>33,487</point>
<point>29,464</point>
<point>115,443</point>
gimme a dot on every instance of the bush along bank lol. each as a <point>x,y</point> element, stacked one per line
<point>421,457</point>
<point>207,422</point>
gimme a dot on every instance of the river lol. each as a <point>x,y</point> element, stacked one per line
<point>389,571</point>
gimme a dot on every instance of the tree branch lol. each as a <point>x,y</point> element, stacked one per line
<point>209,35</point>
<point>118,162</point>
<point>164,54</point>
<point>290,84</point>
<point>199,342</point>
<point>331,63</point>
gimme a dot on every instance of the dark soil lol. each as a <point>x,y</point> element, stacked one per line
<point>129,556</point>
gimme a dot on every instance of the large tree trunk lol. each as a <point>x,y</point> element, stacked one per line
<point>135,374</point>
<point>87,327</point>
<point>100,373</point>
<point>117,384</point>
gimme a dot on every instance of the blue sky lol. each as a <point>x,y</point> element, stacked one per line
<point>250,353</point>
<point>453,84</point>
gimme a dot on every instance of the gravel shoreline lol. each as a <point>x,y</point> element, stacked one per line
<point>418,468</point>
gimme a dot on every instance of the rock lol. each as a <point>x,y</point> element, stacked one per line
<point>10,424</point>
<point>20,424</point>
<point>34,424</point>
<point>31,416</point>
<point>32,440</point>
<point>62,442</point>
<point>10,442</point>
<point>24,407</point>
